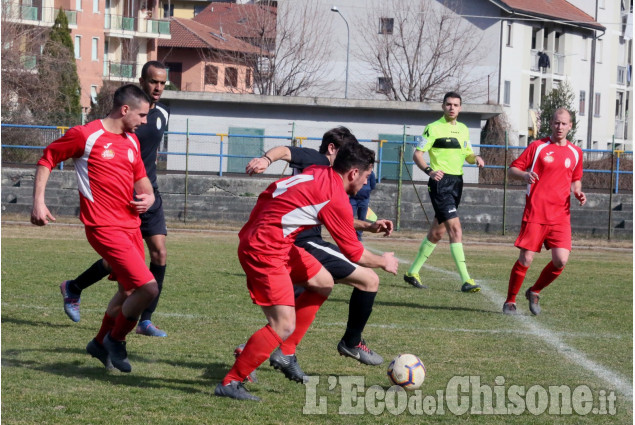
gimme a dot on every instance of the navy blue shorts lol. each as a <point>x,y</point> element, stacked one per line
<point>445,196</point>
<point>153,220</point>
<point>329,256</point>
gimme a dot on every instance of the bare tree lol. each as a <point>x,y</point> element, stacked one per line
<point>295,47</point>
<point>421,49</point>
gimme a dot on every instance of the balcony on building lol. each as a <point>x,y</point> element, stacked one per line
<point>35,15</point>
<point>120,71</point>
<point>130,27</point>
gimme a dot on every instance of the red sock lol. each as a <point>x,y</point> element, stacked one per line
<point>107,323</point>
<point>548,275</point>
<point>516,279</point>
<point>256,351</point>
<point>306,307</point>
<point>122,327</point>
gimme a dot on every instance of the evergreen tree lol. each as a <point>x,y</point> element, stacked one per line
<point>561,97</point>
<point>57,68</point>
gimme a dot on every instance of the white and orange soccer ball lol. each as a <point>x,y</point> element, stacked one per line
<point>407,371</point>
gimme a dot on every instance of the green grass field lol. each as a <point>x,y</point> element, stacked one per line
<point>583,339</point>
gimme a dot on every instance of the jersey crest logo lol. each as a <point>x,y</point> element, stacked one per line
<point>130,155</point>
<point>567,163</point>
<point>108,154</point>
<point>158,123</point>
<point>548,157</point>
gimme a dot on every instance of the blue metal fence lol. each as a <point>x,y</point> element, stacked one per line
<point>376,145</point>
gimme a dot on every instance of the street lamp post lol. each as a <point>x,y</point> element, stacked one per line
<point>348,45</point>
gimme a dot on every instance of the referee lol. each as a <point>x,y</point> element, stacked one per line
<point>448,143</point>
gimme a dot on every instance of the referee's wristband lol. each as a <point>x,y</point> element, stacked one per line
<point>267,158</point>
<point>427,170</point>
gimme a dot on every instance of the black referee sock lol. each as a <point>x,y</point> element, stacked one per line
<point>359,309</point>
<point>93,274</point>
<point>159,274</point>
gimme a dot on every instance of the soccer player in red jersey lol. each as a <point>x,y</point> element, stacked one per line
<point>273,263</point>
<point>113,191</point>
<point>552,168</point>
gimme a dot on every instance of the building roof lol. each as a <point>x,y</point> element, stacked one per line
<point>240,20</point>
<point>557,10</point>
<point>187,33</point>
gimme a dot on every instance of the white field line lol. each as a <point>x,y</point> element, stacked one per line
<point>616,380</point>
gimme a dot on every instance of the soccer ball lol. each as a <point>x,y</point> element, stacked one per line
<point>407,371</point>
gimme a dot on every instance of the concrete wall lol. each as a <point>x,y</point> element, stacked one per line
<point>230,200</point>
<point>300,117</point>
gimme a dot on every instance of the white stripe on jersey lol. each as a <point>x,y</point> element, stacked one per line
<point>332,252</point>
<point>133,142</point>
<point>575,153</point>
<point>302,216</point>
<point>81,166</point>
<point>533,163</point>
<point>164,112</point>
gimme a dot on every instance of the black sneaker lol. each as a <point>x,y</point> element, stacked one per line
<point>118,354</point>
<point>287,365</point>
<point>415,280</point>
<point>252,376</point>
<point>234,390</point>
<point>99,352</point>
<point>470,286</point>
<point>361,353</point>
<point>509,308</point>
<point>534,299</point>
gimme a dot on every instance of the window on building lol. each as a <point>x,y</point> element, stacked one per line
<point>509,33</point>
<point>532,96</point>
<point>231,77</point>
<point>93,94</point>
<point>248,78</point>
<point>168,10</point>
<point>582,106</point>
<point>585,48</point>
<point>507,93</point>
<point>383,85</point>
<point>386,25</point>
<point>211,75</point>
<point>95,6</point>
<point>534,38</point>
<point>78,43</point>
<point>78,4</point>
<point>198,9</point>
<point>94,49</point>
<point>596,105</point>
<point>599,49</point>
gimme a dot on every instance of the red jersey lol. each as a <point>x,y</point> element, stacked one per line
<point>548,200</point>
<point>296,203</point>
<point>107,166</point>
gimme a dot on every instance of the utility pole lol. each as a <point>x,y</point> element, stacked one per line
<point>589,132</point>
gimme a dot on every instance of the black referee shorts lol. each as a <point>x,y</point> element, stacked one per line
<point>329,256</point>
<point>153,220</point>
<point>445,196</point>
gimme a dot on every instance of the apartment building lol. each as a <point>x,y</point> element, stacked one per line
<point>112,38</point>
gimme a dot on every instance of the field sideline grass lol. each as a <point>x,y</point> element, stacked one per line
<point>583,337</point>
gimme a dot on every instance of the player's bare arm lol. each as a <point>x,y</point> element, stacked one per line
<point>144,195</point>
<point>528,176</point>
<point>40,214</point>
<point>386,261</point>
<point>260,164</point>
<point>380,226</point>
<point>475,159</point>
<point>576,188</point>
<point>417,157</point>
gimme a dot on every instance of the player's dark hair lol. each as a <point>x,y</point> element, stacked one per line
<point>339,136</point>
<point>147,65</point>
<point>453,95</point>
<point>130,95</point>
<point>353,155</point>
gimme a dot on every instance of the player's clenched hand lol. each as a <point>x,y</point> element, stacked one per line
<point>40,215</point>
<point>143,202</point>
<point>382,226</point>
<point>531,177</point>
<point>581,197</point>
<point>436,175</point>
<point>391,263</point>
<point>257,166</point>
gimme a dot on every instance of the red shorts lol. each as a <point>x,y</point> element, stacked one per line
<point>270,278</point>
<point>533,235</point>
<point>124,252</point>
